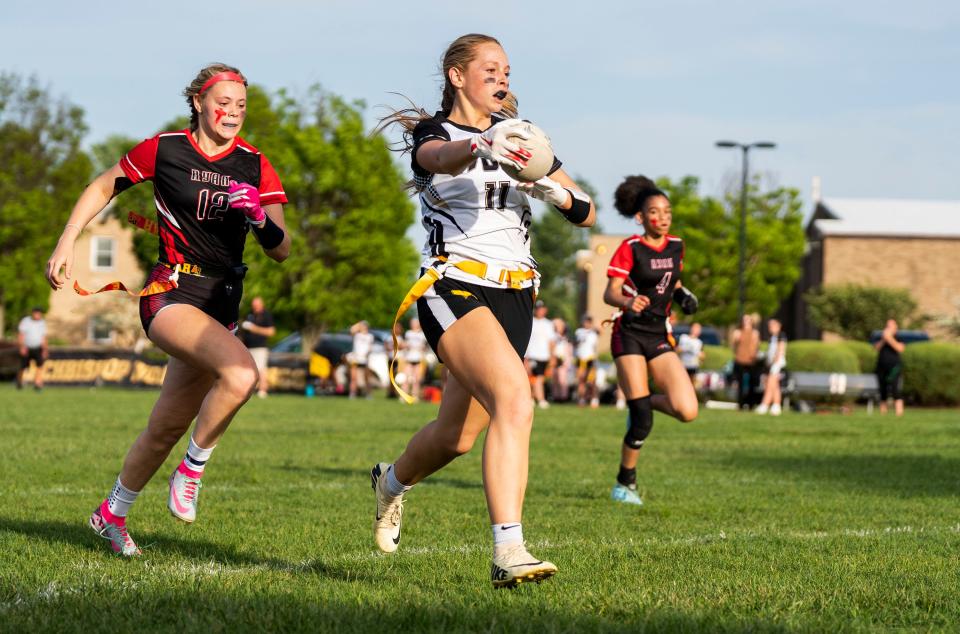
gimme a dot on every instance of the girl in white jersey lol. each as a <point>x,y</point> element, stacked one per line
<point>477,317</point>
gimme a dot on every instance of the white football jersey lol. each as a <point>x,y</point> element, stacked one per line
<point>416,343</point>
<point>542,334</point>
<point>477,214</point>
<point>586,343</point>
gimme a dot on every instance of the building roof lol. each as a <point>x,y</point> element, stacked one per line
<point>883,217</point>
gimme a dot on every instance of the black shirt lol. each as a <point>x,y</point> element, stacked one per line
<point>253,340</point>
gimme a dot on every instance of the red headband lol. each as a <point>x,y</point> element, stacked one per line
<point>224,76</point>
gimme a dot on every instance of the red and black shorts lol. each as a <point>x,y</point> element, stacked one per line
<point>448,300</point>
<point>647,344</point>
<point>216,295</point>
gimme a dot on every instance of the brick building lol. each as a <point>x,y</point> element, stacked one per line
<point>908,244</point>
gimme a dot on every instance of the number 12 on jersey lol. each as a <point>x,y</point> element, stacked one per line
<point>211,206</point>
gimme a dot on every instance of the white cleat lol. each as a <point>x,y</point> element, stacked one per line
<point>386,527</point>
<point>184,490</point>
<point>513,565</point>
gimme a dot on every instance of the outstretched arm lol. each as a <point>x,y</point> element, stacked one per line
<point>91,202</point>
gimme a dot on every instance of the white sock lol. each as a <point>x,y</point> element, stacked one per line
<point>121,499</point>
<point>197,456</point>
<point>395,488</point>
<point>506,534</point>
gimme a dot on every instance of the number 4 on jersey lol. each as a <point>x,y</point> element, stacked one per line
<point>664,282</point>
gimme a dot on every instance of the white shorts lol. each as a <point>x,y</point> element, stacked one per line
<point>260,356</point>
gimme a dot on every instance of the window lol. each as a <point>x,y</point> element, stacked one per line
<point>99,330</point>
<point>101,253</point>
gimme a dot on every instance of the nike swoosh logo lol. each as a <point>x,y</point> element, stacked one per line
<point>504,528</point>
<point>396,540</point>
<point>176,503</point>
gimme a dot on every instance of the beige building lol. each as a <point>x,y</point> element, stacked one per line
<point>908,244</point>
<point>592,265</point>
<point>103,254</point>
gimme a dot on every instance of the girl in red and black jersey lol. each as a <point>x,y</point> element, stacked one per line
<point>644,281</point>
<point>210,188</point>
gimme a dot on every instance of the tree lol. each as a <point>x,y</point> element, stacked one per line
<point>854,311</point>
<point>348,214</point>
<point>710,230</point>
<point>554,245</point>
<point>42,173</point>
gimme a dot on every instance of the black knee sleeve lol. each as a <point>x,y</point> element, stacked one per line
<point>639,423</point>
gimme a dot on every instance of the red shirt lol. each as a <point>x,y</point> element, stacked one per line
<point>195,223</point>
<point>650,271</point>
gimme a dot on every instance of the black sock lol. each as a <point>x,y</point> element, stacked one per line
<point>627,477</point>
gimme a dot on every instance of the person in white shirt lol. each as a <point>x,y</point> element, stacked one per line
<point>362,344</point>
<point>562,362</point>
<point>32,338</point>
<point>776,362</point>
<point>539,355</point>
<point>690,348</point>
<point>414,348</point>
<point>587,337</point>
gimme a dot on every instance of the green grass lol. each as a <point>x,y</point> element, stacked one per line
<point>811,523</point>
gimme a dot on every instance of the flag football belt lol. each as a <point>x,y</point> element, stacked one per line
<point>433,274</point>
<point>158,286</point>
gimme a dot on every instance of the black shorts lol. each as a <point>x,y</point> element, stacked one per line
<point>538,368</point>
<point>891,382</point>
<point>33,354</point>
<point>217,296</point>
<point>448,300</point>
<point>649,345</point>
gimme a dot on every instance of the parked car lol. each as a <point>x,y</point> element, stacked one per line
<point>333,346</point>
<point>709,335</point>
<point>903,336</point>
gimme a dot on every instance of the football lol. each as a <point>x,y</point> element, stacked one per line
<point>539,146</point>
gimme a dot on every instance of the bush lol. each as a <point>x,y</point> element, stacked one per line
<point>717,357</point>
<point>930,373</point>
<point>817,356</point>
<point>854,311</point>
<point>866,355</point>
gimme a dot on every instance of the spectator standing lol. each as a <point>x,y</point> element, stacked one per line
<point>32,337</point>
<point>776,362</point>
<point>359,357</point>
<point>540,352</point>
<point>414,345</point>
<point>746,343</point>
<point>890,368</point>
<point>255,330</point>
<point>562,360</point>
<point>587,338</point>
<point>690,347</point>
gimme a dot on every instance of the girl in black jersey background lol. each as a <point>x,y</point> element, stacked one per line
<point>210,188</point>
<point>477,318</point>
<point>644,281</point>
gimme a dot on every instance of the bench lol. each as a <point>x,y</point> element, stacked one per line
<point>858,386</point>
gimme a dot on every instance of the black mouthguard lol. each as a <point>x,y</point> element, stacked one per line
<point>500,95</point>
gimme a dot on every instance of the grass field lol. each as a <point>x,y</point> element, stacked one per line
<point>810,523</point>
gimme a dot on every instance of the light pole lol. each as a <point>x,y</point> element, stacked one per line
<point>741,275</point>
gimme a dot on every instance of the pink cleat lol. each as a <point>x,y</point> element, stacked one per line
<point>184,489</point>
<point>109,526</point>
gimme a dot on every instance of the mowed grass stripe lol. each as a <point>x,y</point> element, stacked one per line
<point>797,523</point>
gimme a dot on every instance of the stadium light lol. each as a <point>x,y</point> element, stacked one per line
<point>745,147</point>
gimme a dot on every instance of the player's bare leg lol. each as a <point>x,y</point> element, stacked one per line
<point>678,399</point>
<point>632,377</point>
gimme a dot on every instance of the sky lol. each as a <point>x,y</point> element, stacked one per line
<point>863,95</point>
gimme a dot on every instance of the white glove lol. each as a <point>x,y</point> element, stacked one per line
<point>547,190</point>
<point>494,145</point>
